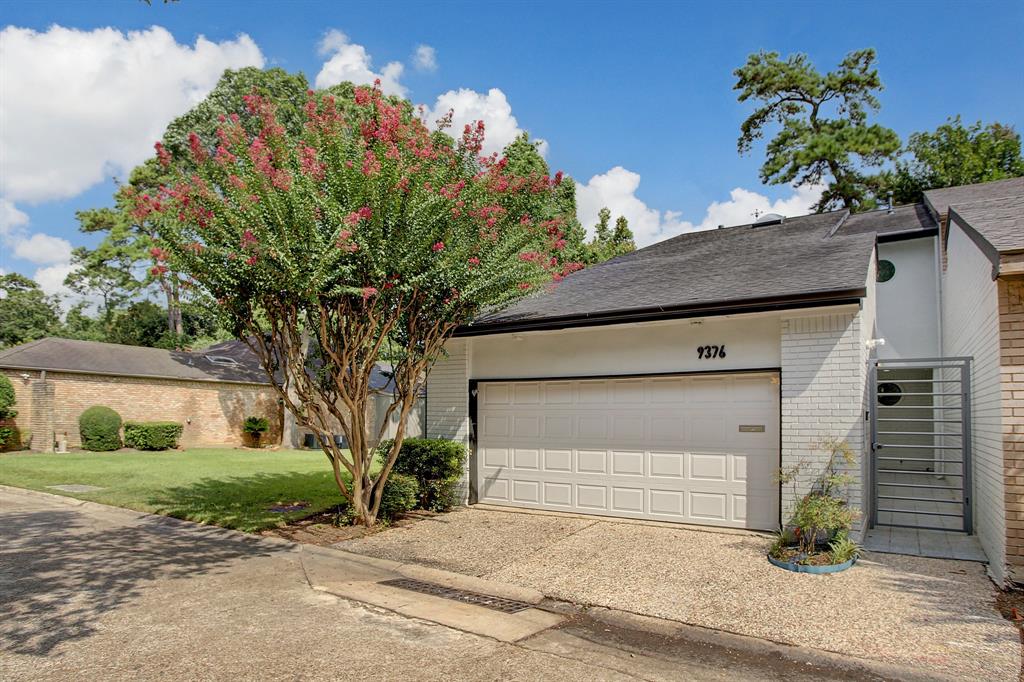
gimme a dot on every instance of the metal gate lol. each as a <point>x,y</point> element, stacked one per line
<point>921,443</point>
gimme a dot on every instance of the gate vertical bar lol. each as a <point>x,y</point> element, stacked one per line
<point>873,410</point>
<point>966,444</point>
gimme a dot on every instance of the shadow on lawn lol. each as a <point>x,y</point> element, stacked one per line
<point>245,502</point>
<point>59,573</point>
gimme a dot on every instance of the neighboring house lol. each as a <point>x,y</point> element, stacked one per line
<point>209,392</point>
<point>673,382</point>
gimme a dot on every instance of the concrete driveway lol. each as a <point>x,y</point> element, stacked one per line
<point>930,614</point>
<point>94,592</point>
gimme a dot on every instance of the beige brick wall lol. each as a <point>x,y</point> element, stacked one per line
<point>211,412</point>
<point>1011,360</point>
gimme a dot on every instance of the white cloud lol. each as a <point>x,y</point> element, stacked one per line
<point>350,62</point>
<point>425,58</point>
<point>42,249</point>
<point>51,280</point>
<point>12,219</point>
<point>469,106</point>
<point>617,189</point>
<point>80,105</point>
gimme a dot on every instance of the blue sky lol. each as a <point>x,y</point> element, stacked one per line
<point>634,100</point>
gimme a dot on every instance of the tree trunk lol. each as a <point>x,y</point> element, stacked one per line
<point>290,425</point>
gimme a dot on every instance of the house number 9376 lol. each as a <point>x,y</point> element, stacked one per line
<point>710,352</point>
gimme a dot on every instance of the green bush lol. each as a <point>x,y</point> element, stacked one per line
<point>256,427</point>
<point>152,435</point>
<point>436,464</point>
<point>6,398</point>
<point>100,429</point>
<point>10,437</point>
<point>399,496</point>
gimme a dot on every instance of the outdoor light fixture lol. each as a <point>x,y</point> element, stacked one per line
<point>871,344</point>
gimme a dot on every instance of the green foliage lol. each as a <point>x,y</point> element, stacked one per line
<point>256,427</point>
<point>436,464</point>
<point>26,313</point>
<point>100,429</point>
<point>817,517</point>
<point>152,435</point>
<point>10,437</point>
<point>398,496</point>
<point>824,134</point>
<point>143,324</point>
<point>952,155</point>
<point>7,398</point>
<point>843,549</point>
<point>608,243</point>
<point>78,324</point>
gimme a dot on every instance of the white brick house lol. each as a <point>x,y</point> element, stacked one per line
<point>672,383</point>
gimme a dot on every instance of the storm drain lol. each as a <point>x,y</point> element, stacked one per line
<point>485,600</point>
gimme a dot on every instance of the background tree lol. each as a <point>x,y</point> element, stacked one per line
<point>824,133</point>
<point>104,272</point>
<point>26,313</point>
<point>80,325</point>
<point>143,323</point>
<point>607,242</point>
<point>366,230</point>
<point>954,154</point>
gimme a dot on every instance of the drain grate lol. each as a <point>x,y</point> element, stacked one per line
<point>485,600</point>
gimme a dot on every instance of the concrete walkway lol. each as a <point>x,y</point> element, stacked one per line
<point>93,592</point>
<point>927,614</point>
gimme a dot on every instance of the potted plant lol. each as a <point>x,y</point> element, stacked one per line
<point>256,427</point>
<point>817,537</point>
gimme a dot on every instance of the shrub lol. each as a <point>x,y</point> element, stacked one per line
<point>436,464</point>
<point>152,435</point>
<point>399,496</point>
<point>6,398</point>
<point>256,427</point>
<point>100,429</point>
<point>10,437</point>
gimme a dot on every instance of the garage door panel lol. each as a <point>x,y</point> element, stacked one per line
<point>679,449</point>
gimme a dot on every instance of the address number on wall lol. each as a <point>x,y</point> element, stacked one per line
<point>710,352</point>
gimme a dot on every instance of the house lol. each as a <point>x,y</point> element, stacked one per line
<point>672,383</point>
<point>209,392</point>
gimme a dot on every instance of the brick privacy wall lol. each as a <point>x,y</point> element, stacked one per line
<point>823,385</point>
<point>1011,360</point>
<point>211,412</point>
<point>448,401</point>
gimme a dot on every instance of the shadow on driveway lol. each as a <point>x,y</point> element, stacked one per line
<point>60,572</point>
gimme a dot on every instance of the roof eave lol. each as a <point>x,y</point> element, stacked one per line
<point>98,372</point>
<point>635,315</point>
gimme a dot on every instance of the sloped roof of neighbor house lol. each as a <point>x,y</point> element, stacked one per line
<point>941,199</point>
<point>999,221</point>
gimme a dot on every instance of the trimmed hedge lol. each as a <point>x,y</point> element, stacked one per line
<point>152,435</point>
<point>437,464</point>
<point>100,429</point>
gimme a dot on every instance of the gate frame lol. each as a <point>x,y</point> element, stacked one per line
<point>964,363</point>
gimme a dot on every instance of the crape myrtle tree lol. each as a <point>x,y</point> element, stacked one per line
<point>367,230</point>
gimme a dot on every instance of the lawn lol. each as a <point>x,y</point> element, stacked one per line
<point>225,487</point>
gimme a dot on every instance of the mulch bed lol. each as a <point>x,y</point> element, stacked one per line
<point>319,529</point>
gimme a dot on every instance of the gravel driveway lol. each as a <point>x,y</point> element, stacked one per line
<point>934,614</point>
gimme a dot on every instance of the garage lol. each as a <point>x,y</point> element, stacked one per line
<point>697,448</point>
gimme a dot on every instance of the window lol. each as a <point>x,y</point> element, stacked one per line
<point>886,270</point>
<point>222,360</point>
<point>889,394</point>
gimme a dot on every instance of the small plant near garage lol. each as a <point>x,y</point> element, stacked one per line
<point>436,464</point>
<point>817,537</point>
<point>10,438</point>
<point>255,427</point>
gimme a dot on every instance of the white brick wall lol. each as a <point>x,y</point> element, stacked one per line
<point>448,399</point>
<point>823,385</point>
<point>970,324</point>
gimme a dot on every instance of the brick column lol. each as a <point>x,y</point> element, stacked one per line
<point>1011,360</point>
<point>41,422</point>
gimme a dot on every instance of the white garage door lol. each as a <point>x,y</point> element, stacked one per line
<point>695,449</point>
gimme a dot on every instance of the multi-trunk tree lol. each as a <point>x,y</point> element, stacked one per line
<point>365,232</point>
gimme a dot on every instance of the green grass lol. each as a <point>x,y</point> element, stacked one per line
<point>224,487</point>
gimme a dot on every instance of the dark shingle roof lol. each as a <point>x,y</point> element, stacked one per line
<point>725,267</point>
<point>211,364</point>
<point>110,358</point>
<point>909,218</point>
<point>941,199</point>
<point>999,221</point>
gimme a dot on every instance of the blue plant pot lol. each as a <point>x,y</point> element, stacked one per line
<point>800,568</point>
